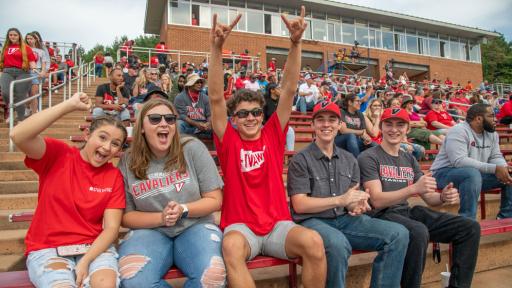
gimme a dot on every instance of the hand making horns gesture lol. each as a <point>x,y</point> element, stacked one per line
<point>220,32</point>
<point>296,26</point>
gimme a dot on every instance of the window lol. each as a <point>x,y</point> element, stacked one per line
<point>474,51</point>
<point>399,42</point>
<point>387,38</point>
<point>423,46</point>
<point>334,32</point>
<point>375,38</point>
<point>433,47</point>
<point>240,26</point>
<point>255,21</point>
<point>255,5</point>
<point>319,32</point>
<point>362,33</point>
<point>455,49</point>
<point>348,33</point>
<point>443,46</point>
<point>465,49</point>
<point>307,33</point>
<point>268,23</point>
<point>270,8</point>
<point>205,19</point>
<point>180,12</point>
<point>196,17</point>
<point>222,14</point>
<point>236,3</point>
<point>412,44</point>
<point>276,25</point>
<point>220,2</point>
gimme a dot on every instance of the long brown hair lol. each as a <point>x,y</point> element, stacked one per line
<point>140,154</point>
<point>23,48</point>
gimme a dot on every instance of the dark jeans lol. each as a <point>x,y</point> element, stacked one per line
<point>162,59</point>
<point>426,225</point>
<point>352,143</point>
<point>506,120</point>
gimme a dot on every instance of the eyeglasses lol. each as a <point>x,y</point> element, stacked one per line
<point>245,113</point>
<point>153,73</point>
<point>157,118</point>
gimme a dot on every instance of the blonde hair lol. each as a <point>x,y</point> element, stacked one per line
<point>166,88</point>
<point>140,153</point>
<point>368,112</point>
<point>141,80</point>
<point>23,48</point>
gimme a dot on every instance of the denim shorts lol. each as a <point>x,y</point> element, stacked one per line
<point>44,277</point>
<point>271,244</point>
<point>35,81</point>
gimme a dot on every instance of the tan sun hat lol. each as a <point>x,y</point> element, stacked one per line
<point>192,79</point>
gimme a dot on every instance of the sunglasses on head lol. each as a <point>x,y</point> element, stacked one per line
<point>157,118</point>
<point>245,113</point>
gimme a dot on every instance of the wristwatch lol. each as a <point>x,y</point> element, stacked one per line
<point>185,211</point>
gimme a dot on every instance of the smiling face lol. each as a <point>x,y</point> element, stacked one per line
<point>394,130</point>
<point>31,41</point>
<point>102,144</point>
<point>250,126</point>
<point>158,136</point>
<point>14,37</point>
<point>326,126</point>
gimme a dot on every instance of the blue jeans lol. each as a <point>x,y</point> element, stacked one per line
<point>186,128</point>
<point>124,115</point>
<point>304,106</point>
<point>290,139</point>
<point>98,69</point>
<point>195,251</point>
<point>470,182</point>
<point>345,232</point>
<point>352,143</point>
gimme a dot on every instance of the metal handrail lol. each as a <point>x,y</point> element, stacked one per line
<point>50,88</point>
<point>71,79</point>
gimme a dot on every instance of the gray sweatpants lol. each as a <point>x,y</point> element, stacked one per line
<point>21,90</point>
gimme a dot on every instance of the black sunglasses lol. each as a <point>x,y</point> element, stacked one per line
<point>157,118</point>
<point>245,113</point>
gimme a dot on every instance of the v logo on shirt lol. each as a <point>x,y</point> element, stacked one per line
<point>251,160</point>
<point>11,51</point>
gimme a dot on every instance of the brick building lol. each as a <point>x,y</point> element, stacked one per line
<point>418,46</point>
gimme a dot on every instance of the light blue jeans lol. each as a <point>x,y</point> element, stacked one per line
<point>290,139</point>
<point>147,254</point>
<point>41,276</point>
<point>304,106</point>
<point>470,182</point>
<point>186,128</point>
<point>124,115</point>
<point>345,232</point>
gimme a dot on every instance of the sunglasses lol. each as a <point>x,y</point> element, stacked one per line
<point>245,113</point>
<point>157,118</point>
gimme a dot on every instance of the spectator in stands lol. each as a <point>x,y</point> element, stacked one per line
<point>112,98</point>
<point>141,83</point>
<point>62,66</point>
<point>418,131</point>
<point>484,86</point>
<point>228,84</point>
<point>469,86</point>
<point>263,223</point>
<point>240,81</point>
<point>335,208</point>
<point>130,78</point>
<point>46,54</point>
<point>262,82</point>
<point>51,51</point>
<point>271,102</point>
<point>272,65</point>
<point>392,177</point>
<point>81,222</point>
<point>193,108</point>
<point>353,136</point>
<point>152,77</point>
<point>460,97</point>
<point>177,87</point>
<point>17,60</point>
<point>53,67</point>
<point>325,91</point>
<point>448,82</point>
<point>372,119</point>
<point>172,221</point>
<point>252,84</point>
<point>472,160</point>
<point>161,53</point>
<point>69,62</point>
<point>108,62</point>
<point>244,63</point>
<point>40,72</point>
<point>437,119</point>
<point>308,95</point>
<point>166,83</point>
<point>99,59</point>
<point>505,114</point>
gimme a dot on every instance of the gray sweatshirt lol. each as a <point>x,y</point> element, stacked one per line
<point>463,147</point>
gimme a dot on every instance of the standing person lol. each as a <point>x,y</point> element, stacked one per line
<point>255,216</point>
<point>81,216</point>
<point>228,84</point>
<point>472,160</point>
<point>40,71</point>
<point>172,220</point>
<point>16,61</point>
<point>393,176</point>
<point>108,62</point>
<point>99,59</point>
<point>161,53</point>
<point>333,206</point>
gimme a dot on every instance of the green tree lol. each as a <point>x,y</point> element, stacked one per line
<point>140,41</point>
<point>497,60</point>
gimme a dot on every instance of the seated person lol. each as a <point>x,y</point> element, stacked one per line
<point>471,159</point>
<point>505,114</point>
<point>335,208</point>
<point>438,119</point>
<point>112,98</point>
<point>271,102</point>
<point>308,95</point>
<point>462,108</point>
<point>418,131</point>
<point>392,177</point>
<point>193,108</point>
<point>138,101</point>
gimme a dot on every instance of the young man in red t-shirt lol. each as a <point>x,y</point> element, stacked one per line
<point>255,214</point>
<point>160,49</point>
<point>437,118</point>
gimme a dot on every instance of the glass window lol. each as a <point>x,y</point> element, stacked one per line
<point>422,46</point>
<point>222,14</point>
<point>205,19</point>
<point>236,3</point>
<point>232,15</point>
<point>288,10</point>
<point>307,33</point>
<point>203,1</point>
<point>443,46</point>
<point>474,52</point>
<point>465,50</point>
<point>348,33</point>
<point>276,25</point>
<point>387,38</point>
<point>220,2</point>
<point>455,49</point>
<point>319,32</point>
<point>412,44</point>
<point>268,23</point>
<point>195,15</point>
<point>399,42</point>
<point>333,17</point>
<point>433,47</point>
<point>255,5</point>
<point>330,32</point>
<point>318,15</point>
<point>180,12</point>
<point>372,38</point>
<point>255,21</point>
<point>271,8</point>
<point>362,34</point>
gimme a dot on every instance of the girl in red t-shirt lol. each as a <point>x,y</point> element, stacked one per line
<point>40,70</point>
<point>98,64</point>
<point>15,61</point>
<point>80,200</point>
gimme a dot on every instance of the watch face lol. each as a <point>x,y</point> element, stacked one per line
<point>184,214</point>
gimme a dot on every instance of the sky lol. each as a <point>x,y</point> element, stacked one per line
<point>89,22</point>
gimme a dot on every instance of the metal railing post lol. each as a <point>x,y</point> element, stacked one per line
<point>11,115</point>
<point>40,101</point>
<point>70,77</point>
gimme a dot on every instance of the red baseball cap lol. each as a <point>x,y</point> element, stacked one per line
<point>326,106</point>
<point>395,113</point>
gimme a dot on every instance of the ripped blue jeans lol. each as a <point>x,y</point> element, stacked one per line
<point>43,276</point>
<point>147,254</point>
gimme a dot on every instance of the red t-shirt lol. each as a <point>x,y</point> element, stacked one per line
<point>160,47</point>
<point>99,59</point>
<point>13,58</point>
<point>244,57</point>
<point>506,110</point>
<point>54,67</point>
<point>442,117</point>
<point>239,83</point>
<point>70,63</point>
<point>154,61</point>
<point>253,183</point>
<point>51,51</point>
<point>272,66</point>
<point>73,196</point>
<point>462,100</point>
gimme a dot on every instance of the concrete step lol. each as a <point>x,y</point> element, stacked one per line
<point>18,187</point>
<point>18,175</point>
<point>5,224</point>
<point>12,241</point>
<point>13,262</point>
<point>11,156</point>
<point>18,201</point>
<point>12,165</point>
<point>495,278</point>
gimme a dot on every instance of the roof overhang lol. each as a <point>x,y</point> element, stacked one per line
<point>154,16</point>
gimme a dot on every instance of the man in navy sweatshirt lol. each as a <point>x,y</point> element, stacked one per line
<point>472,160</point>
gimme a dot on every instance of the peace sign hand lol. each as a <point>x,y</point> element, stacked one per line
<point>220,32</point>
<point>297,26</point>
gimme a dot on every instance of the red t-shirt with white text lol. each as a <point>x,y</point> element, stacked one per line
<point>442,117</point>
<point>73,196</point>
<point>13,57</point>
<point>253,182</point>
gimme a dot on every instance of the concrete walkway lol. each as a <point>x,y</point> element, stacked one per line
<point>498,278</point>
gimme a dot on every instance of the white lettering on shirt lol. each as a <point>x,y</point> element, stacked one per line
<point>100,190</point>
<point>11,51</point>
<point>251,160</point>
<point>397,174</point>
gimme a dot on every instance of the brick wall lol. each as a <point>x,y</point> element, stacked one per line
<point>196,39</point>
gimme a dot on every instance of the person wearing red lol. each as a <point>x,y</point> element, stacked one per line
<point>448,82</point>
<point>16,61</point>
<point>228,84</point>
<point>244,59</point>
<point>153,62</point>
<point>460,98</point>
<point>51,51</point>
<point>161,50</point>
<point>77,220</point>
<point>505,114</point>
<point>255,214</point>
<point>272,65</point>
<point>438,119</point>
<point>98,64</point>
<point>240,81</point>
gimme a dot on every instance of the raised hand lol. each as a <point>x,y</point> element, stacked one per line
<point>297,26</point>
<point>220,32</point>
<point>80,101</point>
